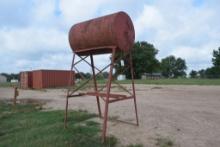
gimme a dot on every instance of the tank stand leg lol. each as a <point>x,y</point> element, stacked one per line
<point>104,128</point>
<point>95,85</point>
<point>133,88</point>
<point>66,111</point>
<point>67,96</point>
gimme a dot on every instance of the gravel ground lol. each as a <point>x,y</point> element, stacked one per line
<point>187,115</point>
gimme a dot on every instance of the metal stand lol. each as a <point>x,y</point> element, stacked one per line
<point>16,93</point>
<point>106,96</point>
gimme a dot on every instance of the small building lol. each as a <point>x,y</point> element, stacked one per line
<point>3,79</point>
<point>39,79</point>
<point>153,76</point>
<point>121,77</point>
<point>14,81</point>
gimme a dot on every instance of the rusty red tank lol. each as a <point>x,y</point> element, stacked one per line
<point>93,36</point>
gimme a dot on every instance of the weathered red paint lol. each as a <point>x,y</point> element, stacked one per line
<point>26,79</point>
<point>107,34</point>
<point>52,78</point>
<point>97,34</point>
<point>107,96</point>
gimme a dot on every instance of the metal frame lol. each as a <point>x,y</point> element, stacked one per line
<point>107,96</point>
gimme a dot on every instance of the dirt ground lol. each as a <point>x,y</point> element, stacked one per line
<point>187,115</point>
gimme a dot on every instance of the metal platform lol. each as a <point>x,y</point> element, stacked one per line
<point>107,96</point>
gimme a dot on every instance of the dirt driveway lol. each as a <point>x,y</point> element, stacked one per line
<point>187,115</point>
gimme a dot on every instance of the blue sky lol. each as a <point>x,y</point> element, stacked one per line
<point>34,33</point>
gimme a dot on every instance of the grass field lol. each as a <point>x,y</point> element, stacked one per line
<point>8,84</point>
<point>157,82</point>
<point>26,125</point>
<point>174,81</point>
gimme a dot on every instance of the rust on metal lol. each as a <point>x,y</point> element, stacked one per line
<point>52,78</point>
<point>26,79</point>
<point>102,33</point>
<point>38,79</point>
<point>107,34</point>
<point>16,94</point>
<point>116,96</point>
<point>95,85</point>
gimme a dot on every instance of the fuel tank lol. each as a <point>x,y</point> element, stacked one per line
<point>93,36</point>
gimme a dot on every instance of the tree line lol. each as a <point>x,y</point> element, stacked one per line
<point>145,61</point>
<point>11,76</point>
<point>211,72</point>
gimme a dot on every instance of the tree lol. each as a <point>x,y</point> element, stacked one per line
<point>202,73</point>
<point>144,60</point>
<point>11,76</point>
<point>193,74</point>
<point>80,75</point>
<point>88,75</point>
<point>216,58</point>
<point>180,67</point>
<point>172,67</point>
<point>214,71</point>
<point>167,65</point>
<point>105,74</point>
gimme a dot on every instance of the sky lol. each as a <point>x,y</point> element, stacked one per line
<point>34,33</point>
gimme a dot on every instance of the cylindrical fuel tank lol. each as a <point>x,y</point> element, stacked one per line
<point>111,30</point>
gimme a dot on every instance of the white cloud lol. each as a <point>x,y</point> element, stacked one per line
<point>39,39</point>
<point>47,61</point>
<point>43,12</point>
<point>77,10</point>
<point>150,18</point>
<point>182,29</point>
<point>32,39</point>
<point>31,48</point>
<point>34,48</point>
<point>42,44</point>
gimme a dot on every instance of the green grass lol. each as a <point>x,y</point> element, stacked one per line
<point>183,81</point>
<point>164,142</point>
<point>135,145</point>
<point>25,125</point>
<point>173,81</point>
<point>8,84</point>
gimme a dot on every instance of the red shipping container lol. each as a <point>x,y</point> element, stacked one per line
<point>26,79</point>
<point>52,78</point>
